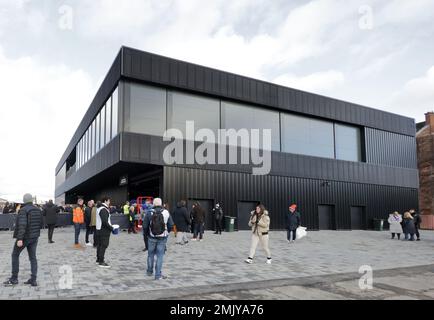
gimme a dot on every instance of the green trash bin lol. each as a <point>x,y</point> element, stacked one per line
<point>378,224</point>
<point>230,224</point>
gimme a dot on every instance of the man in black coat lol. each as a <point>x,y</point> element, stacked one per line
<point>50,213</point>
<point>26,233</point>
<point>182,222</point>
<point>104,229</point>
<point>293,221</point>
<point>218,218</point>
<point>87,221</point>
<point>417,221</point>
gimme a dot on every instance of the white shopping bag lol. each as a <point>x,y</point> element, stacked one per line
<point>300,232</point>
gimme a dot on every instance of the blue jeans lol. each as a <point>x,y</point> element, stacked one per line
<point>156,246</point>
<point>198,229</point>
<point>77,228</point>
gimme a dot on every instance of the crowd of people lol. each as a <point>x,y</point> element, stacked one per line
<point>156,223</point>
<point>409,225</point>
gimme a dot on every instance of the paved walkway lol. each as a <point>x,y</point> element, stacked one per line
<point>216,264</point>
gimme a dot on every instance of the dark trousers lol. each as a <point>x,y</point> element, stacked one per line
<point>398,234</point>
<point>89,230</point>
<point>31,246</point>
<point>50,231</point>
<point>132,227</point>
<point>218,226</point>
<point>77,228</point>
<point>409,236</point>
<point>103,243</point>
<point>198,230</point>
<point>294,234</point>
<point>417,232</point>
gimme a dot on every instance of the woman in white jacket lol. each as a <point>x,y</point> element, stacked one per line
<point>395,220</point>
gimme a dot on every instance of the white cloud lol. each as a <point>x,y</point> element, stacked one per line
<point>41,109</point>
<point>318,82</point>
<point>416,96</point>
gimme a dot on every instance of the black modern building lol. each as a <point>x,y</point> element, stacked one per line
<point>342,163</point>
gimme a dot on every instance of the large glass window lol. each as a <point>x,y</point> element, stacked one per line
<point>92,139</point>
<point>98,122</point>
<point>348,143</point>
<point>147,110</point>
<point>61,176</point>
<point>108,128</point>
<point>307,136</point>
<point>115,112</point>
<point>205,112</point>
<point>103,126</point>
<point>237,116</point>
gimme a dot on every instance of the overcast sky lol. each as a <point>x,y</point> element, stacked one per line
<point>54,55</point>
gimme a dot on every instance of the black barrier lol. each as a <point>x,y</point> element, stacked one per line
<point>7,221</point>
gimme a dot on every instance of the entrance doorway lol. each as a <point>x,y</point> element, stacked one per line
<point>357,218</point>
<point>244,208</point>
<point>326,217</point>
<point>207,206</point>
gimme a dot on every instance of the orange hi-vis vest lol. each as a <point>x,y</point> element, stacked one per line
<point>78,215</point>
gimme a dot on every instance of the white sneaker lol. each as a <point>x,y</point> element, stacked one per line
<point>89,244</point>
<point>249,261</point>
<point>269,261</point>
<point>193,239</point>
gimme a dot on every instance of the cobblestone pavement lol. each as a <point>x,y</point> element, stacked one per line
<point>216,265</point>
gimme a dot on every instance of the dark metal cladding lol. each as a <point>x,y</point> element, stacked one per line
<point>277,193</point>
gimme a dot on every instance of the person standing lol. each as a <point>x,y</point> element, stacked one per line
<point>293,221</point>
<point>395,227</point>
<point>417,221</point>
<point>87,220</point>
<point>93,223</point>
<point>409,228</point>
<point>199,221</point>
<point>159,223</point>
<point>260,224</point>
<point>104,229</point>
<point>6,208</point>
<point>182,222</point>
<point>78,220</point>
<point>26,233</point>
<point>50,212</point>
<point>132,219</point>
<point>218,218</point>
<point>147,209</point>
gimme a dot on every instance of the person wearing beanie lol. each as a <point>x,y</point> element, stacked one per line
<point>27,232</point>
<point>293,221</point>
<point>159,223</point>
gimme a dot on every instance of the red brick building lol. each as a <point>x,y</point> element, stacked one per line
<point>425,164</point>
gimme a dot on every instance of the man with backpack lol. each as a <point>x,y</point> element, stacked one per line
<point>26,233</point>
<point>159,223</point>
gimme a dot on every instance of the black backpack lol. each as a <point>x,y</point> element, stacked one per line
<point>157,223</point>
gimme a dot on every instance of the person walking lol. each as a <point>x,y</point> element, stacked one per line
<point>395,220</point>
<point>78,220</point>
<point>260,224</point>
<point>409,227</point>
<point>199,221</point>
<point>293,221</point>
<point>417,221</point>
<point>104,229</point>
<point>87,220</point>
<point>159,223</point>
<point>182,222</point>
<point>26,233</point>
<point>218,218</point>
<point>50,212</point>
